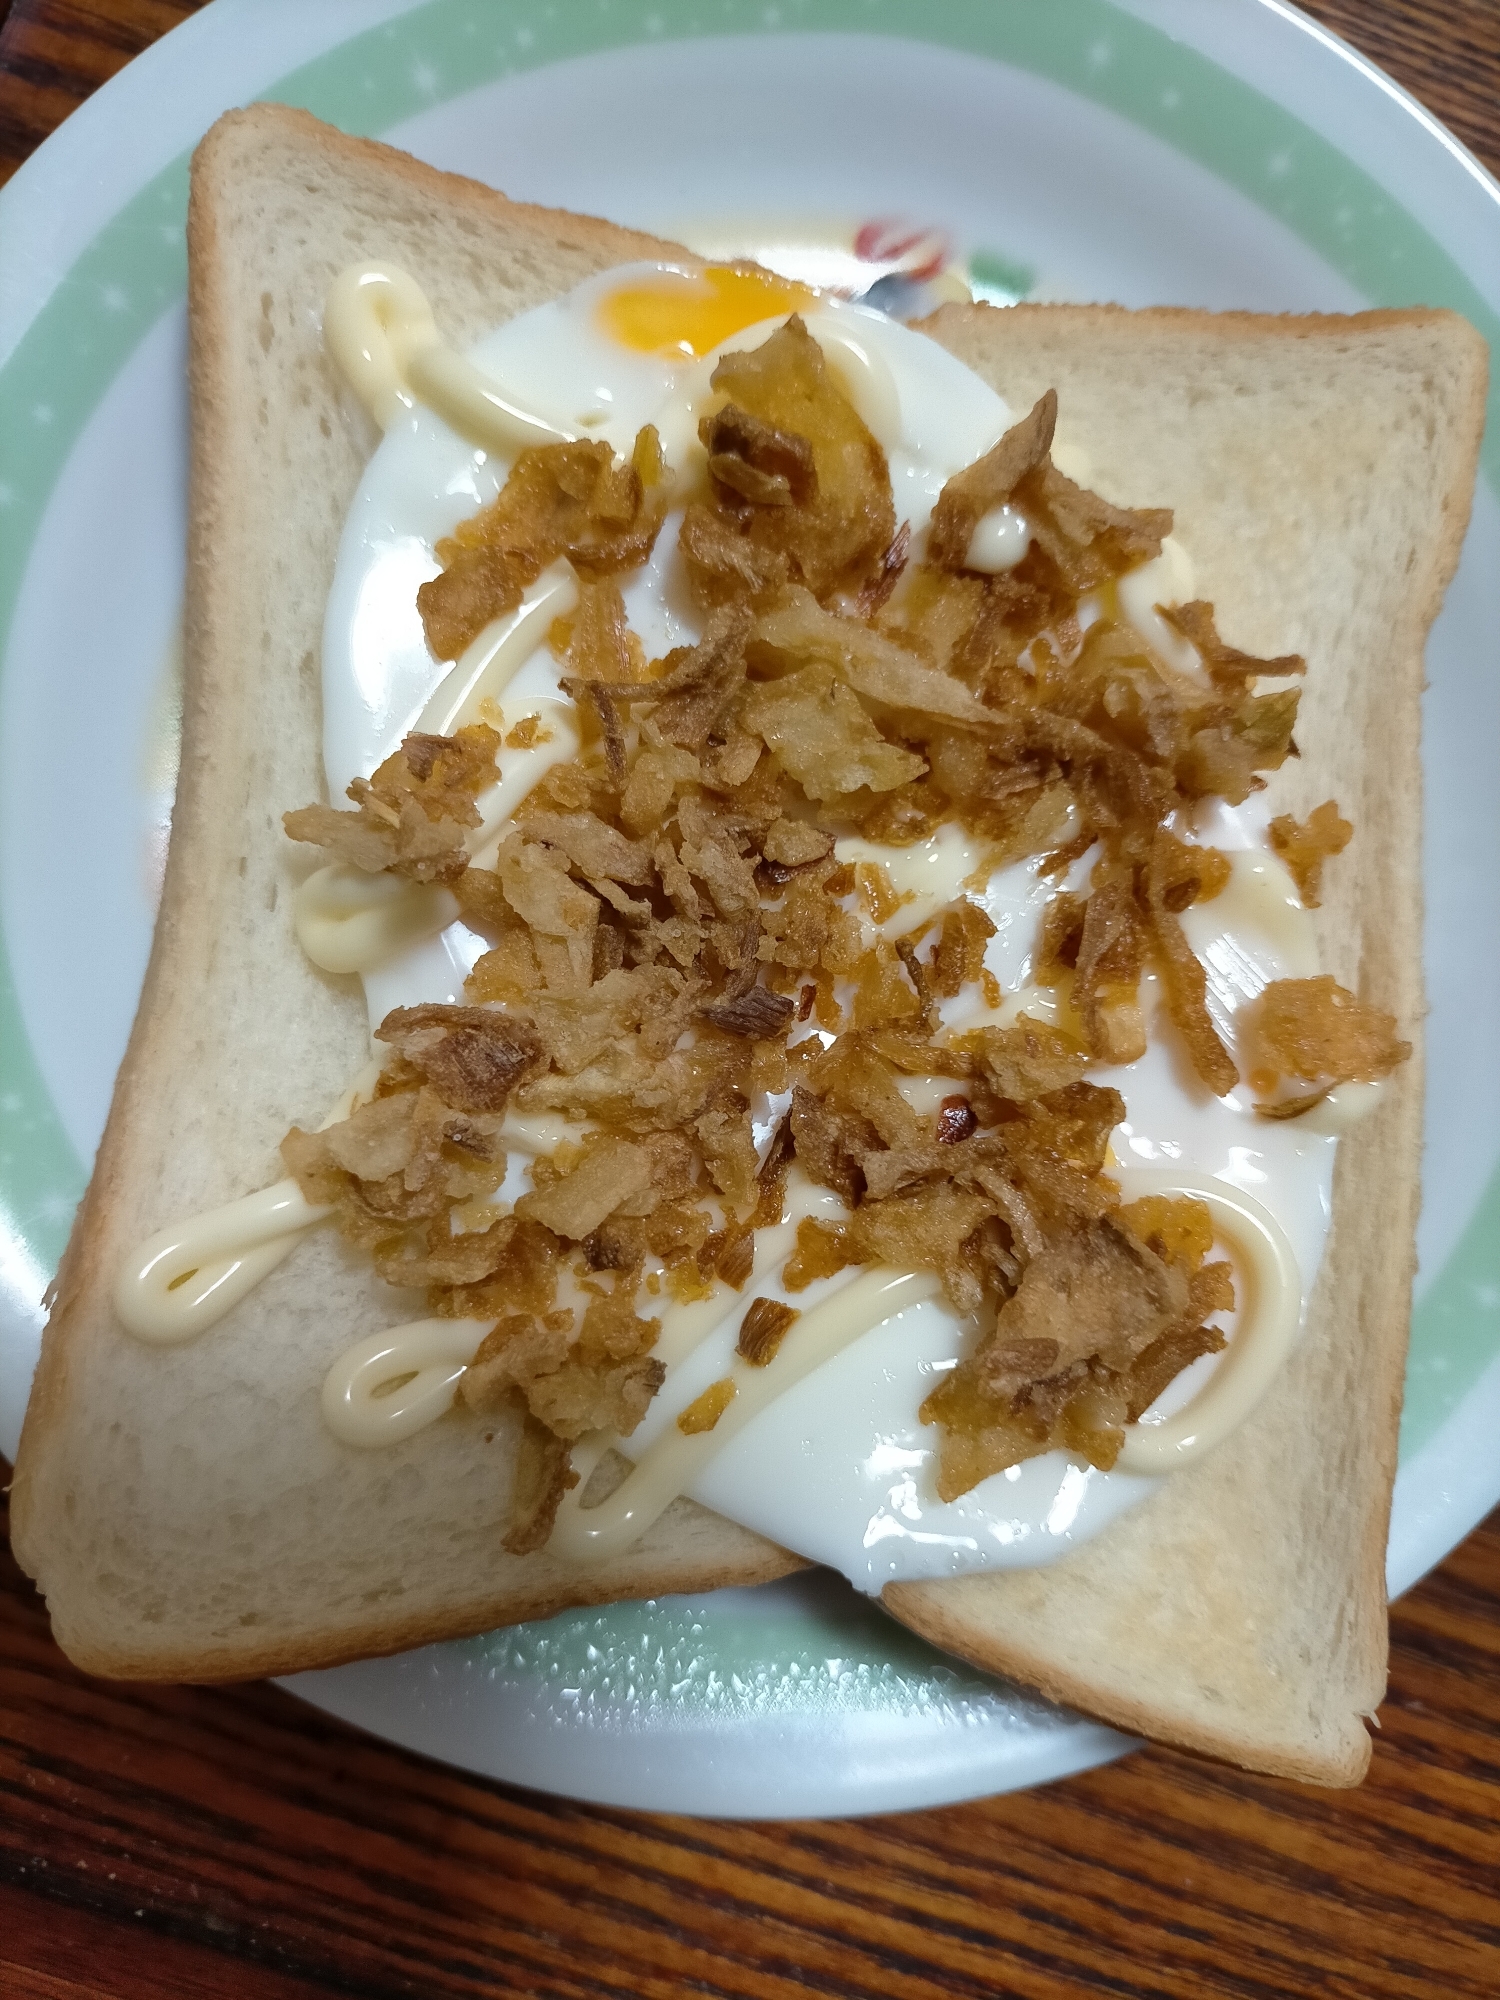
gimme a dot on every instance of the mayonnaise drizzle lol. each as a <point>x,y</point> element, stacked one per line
<point>1269,1314</point>
<point>669,1465</point>
<point>928,875</point>
<point>489,663</point>
<point>349,921</point>
<point>380,331</point>
<point>1345,1106</point>
<point>686,1327</point>
<point>186,1277</point>
<point>392,1385</point>
<point>524,770</point>
<point>999,541</point>
<point>1167,579</point>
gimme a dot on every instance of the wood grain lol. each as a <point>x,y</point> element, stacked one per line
<point>239,1822</point>
<point>187,1843</point>
<point>1445,52</point>
<point>53,53</point>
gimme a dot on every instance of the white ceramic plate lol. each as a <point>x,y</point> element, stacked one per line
<point>1154,151</point>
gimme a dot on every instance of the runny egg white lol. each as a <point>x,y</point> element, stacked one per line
<point>838,1468</point>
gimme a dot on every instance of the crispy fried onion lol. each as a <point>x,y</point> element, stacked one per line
<point>410,818</point>
<point>664,911</point>
<point>1304,845</point>
<point>573,500</point>
<point>1313,1031</point>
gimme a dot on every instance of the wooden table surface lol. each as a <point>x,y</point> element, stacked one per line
<point>182,1843</point>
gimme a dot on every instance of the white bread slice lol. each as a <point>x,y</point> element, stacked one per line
<point>184,1509</point>
<point>1320,471</point>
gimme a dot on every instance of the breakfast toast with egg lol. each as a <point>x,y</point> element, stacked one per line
<point>1241,1610</point>
<point>184,1508</point>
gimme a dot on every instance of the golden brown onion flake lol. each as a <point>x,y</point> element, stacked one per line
<point>704,1413</point>
<point>411,817</point>
<point>1104,1317</point>
<point>1304,845</point>
<point>798,491</point>
<point>667,908</point>
<point>1314,1031</point>
<point>573,500</point>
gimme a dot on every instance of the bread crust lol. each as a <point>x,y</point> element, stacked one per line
<point>215,1663</point>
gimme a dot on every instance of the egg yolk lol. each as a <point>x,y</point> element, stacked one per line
<point>681,318</point>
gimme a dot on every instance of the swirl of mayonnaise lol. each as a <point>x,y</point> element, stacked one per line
<point>933,417</point>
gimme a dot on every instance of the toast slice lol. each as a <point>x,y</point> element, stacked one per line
<point>184,1509</point>
<point>1320,471</point>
